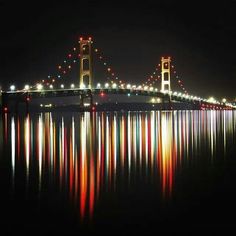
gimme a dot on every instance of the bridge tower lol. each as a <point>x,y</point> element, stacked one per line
<point>165,74</point>
<point>85,63</point>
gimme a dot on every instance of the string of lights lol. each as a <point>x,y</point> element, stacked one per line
<point>179,80</point>
<point>112,77</point>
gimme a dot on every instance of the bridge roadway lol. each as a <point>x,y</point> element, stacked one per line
<point>26,96</point>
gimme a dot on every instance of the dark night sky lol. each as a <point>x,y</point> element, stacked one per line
<point>199,35</point>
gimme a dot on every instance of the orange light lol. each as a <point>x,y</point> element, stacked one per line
<point>90,38</point>
<point>59,67</point>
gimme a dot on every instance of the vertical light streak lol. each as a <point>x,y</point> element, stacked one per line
<point>115,146</point>
<point>140,140</point>
<point>5,127</point>
<point>224,131</point>
<point>13,148</point>
<point>146,142</point>
<point>83,168</point>
<point>129,144</point>
<point>27,145</point>
<point>40,150</point>
<point>153,139</point>
<point>51,144</point>
<point>99,156</point>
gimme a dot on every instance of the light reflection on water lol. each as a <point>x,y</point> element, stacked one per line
<point>88,154</point>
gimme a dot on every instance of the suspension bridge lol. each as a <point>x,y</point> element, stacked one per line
<point>86,91</point>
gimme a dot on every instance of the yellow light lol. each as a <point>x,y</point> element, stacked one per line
<point>27,87</point>
<point>224,100</point>
<point>39,86</point>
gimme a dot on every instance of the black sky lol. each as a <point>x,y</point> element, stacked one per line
<point>199,35</point>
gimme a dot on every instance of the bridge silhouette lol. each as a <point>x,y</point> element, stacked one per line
<point>87,90</point>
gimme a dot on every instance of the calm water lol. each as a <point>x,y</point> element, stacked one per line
<point>118,173</point>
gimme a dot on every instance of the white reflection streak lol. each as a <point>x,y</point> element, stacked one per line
<point>13,146</point>
<point>211,132</point>
<point>40,141</point>
<point>99,143</point>
<point>27,145</point>
<point>224,132</point>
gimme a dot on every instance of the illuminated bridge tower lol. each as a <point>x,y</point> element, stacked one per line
<point>165,74</point>
<point>85,63</point>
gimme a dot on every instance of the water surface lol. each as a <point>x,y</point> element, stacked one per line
<point>118,173</point>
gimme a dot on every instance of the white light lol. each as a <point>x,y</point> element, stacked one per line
<point>140,87</point>
<point>156,89</point>
<point>51,86</point>
<point>82,86</point>
<point>12,87</point>
<point>39,86</point>
<point>62,86</point>
<point>128,86</point>
<point>224,100</point>
<point>72,86</point>
<point>153,100</point>
<point>98,85</point>
<point>27,87</point>
<point>114,85</point>
<point>106,85</point>
<point>175,93</point>
<point>145,87</point>
<point>151,89</point>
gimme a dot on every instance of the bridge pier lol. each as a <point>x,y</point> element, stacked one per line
<point>85,96</point>
<point>166,103</point>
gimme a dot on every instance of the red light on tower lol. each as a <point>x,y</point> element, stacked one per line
<point>93,108</point>
<point>5,109</point>
<point>102,94</point>
<point>27,99</point>
<point>81,38</point>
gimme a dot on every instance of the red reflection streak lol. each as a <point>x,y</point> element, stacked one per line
<point>6,127</point>
<point>65,152</point>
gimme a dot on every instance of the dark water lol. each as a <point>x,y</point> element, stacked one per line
<point>118,173</point>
